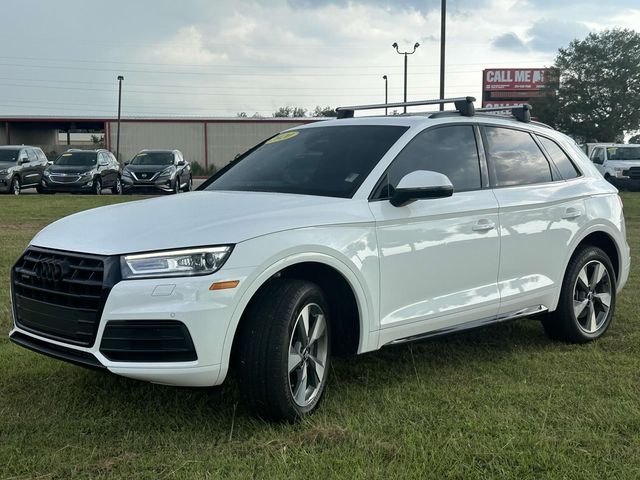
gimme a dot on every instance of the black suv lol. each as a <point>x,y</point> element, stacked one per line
<point>153,170</point>
<point>83,171</point>
<point>20,167</point>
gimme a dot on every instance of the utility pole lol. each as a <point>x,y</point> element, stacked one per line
<point>443,35</point>
<point>415,46</point>
<point>386,93</point>
<point>120,79</point>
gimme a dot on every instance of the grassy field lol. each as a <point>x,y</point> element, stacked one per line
<point>502,402</point>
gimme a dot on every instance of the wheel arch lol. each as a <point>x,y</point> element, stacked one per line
<point>599,236</point>
<point>337,280</point>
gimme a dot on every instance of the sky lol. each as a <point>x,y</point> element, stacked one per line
<point>217,58</point>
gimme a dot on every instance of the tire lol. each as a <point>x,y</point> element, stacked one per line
<point>117,187</point>
<point>583,314</point>
<point>189,186</point>
<point>15,188</point>
<point>270,343</point>
<point>97,186</point>
<point>176,187</point>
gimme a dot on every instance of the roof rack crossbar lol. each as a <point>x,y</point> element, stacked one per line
<point>521,112</point>
<point>463,104</point>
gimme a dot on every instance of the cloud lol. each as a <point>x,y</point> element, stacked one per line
<point>509,41</point>
<point>546,35</point>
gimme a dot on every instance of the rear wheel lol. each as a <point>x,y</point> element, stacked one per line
<point>587,299</point>
<point>284,350</point>
<point>97,186</point>
<point>15,186</point>
<point>117,187</point>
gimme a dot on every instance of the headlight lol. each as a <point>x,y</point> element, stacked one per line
<point>175,263</point>
<point>619,172</point>
<point>4,172</point>
<point>47,173</point>
<point>126,173</point>
<point>167,172</point>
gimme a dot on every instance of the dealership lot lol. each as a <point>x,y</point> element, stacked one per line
<point>502,401</point>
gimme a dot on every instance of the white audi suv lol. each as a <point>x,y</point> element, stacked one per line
<point>332,238</point>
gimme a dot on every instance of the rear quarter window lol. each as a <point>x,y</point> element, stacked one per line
<point>564,164</point>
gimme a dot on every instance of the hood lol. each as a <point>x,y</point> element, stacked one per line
<point>623,163</point>
<point>70,168</point>
<point>147,168</point>
<point>194,219</point>
<point>5,165</point>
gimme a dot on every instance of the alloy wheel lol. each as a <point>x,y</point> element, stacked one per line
<point>15,186</point>
<point>308,354</point>
<point>592,296</point>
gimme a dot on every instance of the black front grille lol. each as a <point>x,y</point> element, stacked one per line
<point>65,179</point>
<point>147,341</point>
<point>145,176</point>
<point>633,172</point>
<point>61,295</point>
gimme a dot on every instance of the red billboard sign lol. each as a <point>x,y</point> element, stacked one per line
<point>514,79</point>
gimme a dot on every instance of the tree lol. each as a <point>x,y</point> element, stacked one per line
<point>323,112</point>
<point>241,115</point>
<point>635,139</point>
<point>288,111</point>
<point>599,93</point>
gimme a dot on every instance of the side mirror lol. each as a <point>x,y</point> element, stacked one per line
<point>24,160</point>
<point>181,163</point>
<point>421,184</point>
<point>50,162</point>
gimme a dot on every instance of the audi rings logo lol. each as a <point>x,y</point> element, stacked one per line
<point>51,270</point>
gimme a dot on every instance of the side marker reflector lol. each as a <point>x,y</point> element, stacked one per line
<point>224,285</point>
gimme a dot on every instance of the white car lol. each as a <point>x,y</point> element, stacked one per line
<point>337,237</point>
<point>618,163</point>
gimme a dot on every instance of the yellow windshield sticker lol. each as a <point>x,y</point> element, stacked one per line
<point>67,154</point>
<point>283,136</point>
<point>612,150</point>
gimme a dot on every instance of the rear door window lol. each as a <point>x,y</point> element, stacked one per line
<point>515,158</point>
<point>32,155</point>
<point>564,164</point>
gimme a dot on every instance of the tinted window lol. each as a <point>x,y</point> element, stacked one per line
<point>565,165</point>
<point>515,157</point>
<point>7,155</point>
<point>329,161</point>
<point>77,159</point>
<point>448,150</point>
<point>153,158</point>
<point>41,155</point>
<point>623,153</point>
<point>597,156</point>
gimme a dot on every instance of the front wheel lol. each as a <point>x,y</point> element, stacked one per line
<point>587,299</point>
<point>15,186</point>
<point>284,350</point>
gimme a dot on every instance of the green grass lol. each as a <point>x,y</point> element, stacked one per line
<point>502,402</point>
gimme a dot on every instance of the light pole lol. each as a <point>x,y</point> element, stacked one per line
<point>415,46</point>
<point>120,79</point>
<point>443,32</point>
<point>386,93</point>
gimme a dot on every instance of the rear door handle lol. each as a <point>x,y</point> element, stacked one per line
<point>571,213</point>
<point>483,225</point>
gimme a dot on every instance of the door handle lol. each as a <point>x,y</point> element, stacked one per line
<point>483,225</point>
<point>571,213</point>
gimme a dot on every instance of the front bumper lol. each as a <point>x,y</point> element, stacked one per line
<point>5,184</point>
<point>136,186</point>
<point>82,185</point>
<point>206,314</point>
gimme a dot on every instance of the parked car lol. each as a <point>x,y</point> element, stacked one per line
<point>337,237</point>
<point>83,171</point>
<point>20,167</point>
<point>157,170</point>
<point>618,163</point>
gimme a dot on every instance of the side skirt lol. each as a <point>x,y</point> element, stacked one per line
<point>524,312</point>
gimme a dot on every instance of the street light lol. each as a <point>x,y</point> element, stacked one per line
<point>120,79</point>
<point>415,46</point>
<point>443,31</point>
<point>386,93</point>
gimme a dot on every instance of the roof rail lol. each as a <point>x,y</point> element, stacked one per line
<point>464,105</point>
<point>521,112</point>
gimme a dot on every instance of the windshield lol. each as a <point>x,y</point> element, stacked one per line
<point>327,161</point>
<point>153,158</point>
<point>623,153</point>
<point>7,155</point>
<point>77,159</point>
